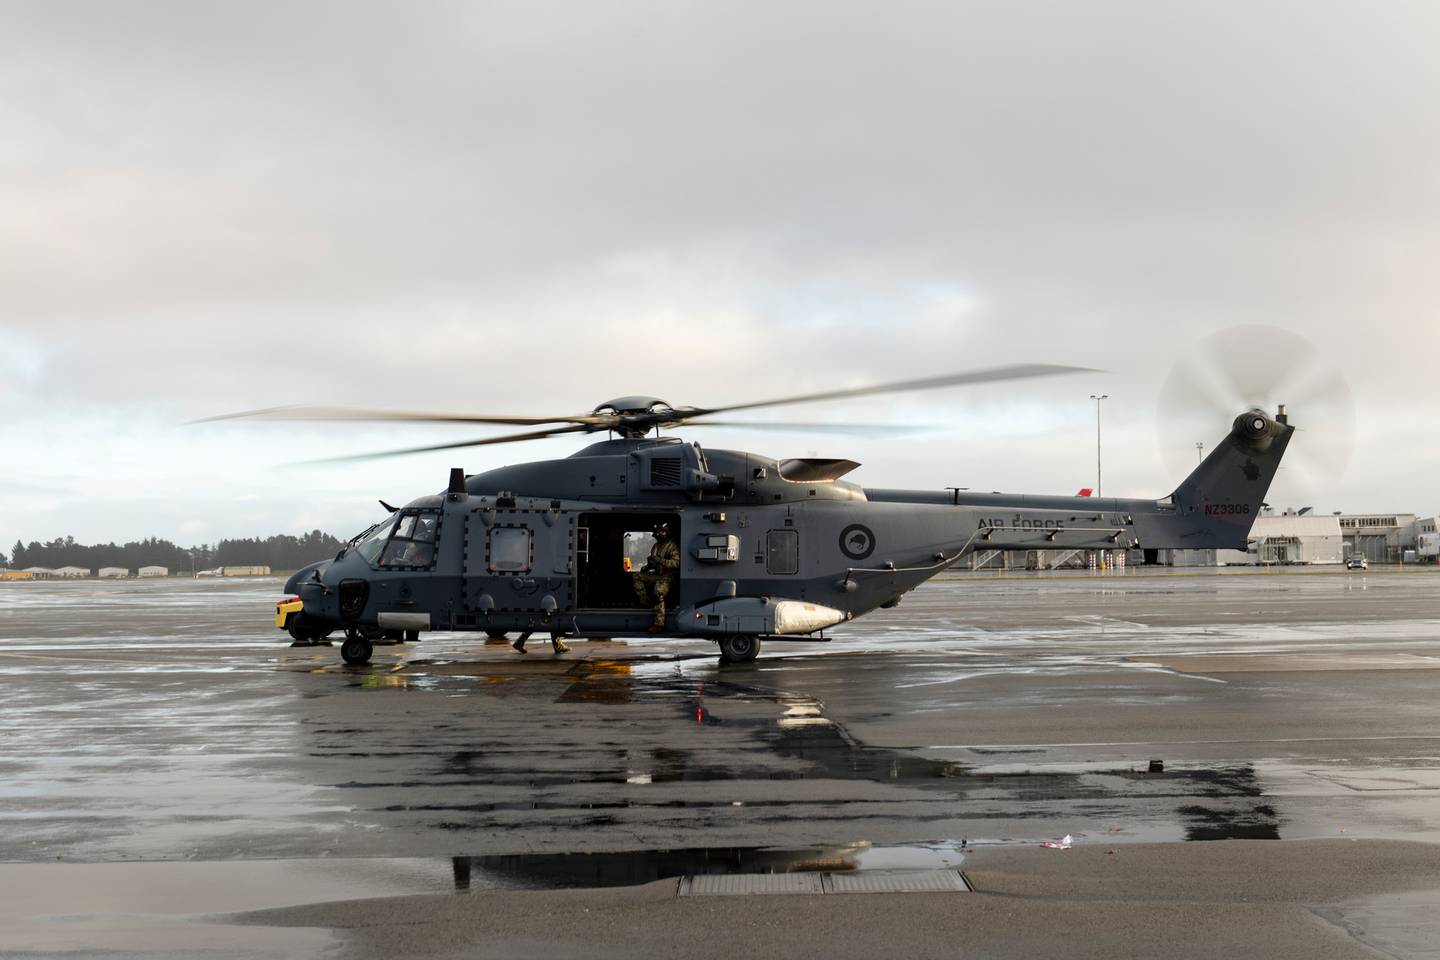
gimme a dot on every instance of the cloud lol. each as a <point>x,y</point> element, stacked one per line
<point>535,207</point>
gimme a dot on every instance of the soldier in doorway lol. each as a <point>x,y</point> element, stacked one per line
<point>658,577</point>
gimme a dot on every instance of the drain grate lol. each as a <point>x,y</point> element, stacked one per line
<point>739,884</point>
<point>865,881</point>
<point>896,881</point>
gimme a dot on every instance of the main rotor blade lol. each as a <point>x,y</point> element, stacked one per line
<point>410,416</point>
<point>852,429</point>
<point>1020,371</point>
<point>485,441</point>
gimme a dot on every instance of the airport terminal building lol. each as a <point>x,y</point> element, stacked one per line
<point>1296,538</point>
<point>1291,537</point>
<point>1427,539</point>
<point>1379,537</point>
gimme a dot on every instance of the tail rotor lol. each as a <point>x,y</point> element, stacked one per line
<point>1262,367</point>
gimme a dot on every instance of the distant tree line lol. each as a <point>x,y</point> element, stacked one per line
<point>280,552</point>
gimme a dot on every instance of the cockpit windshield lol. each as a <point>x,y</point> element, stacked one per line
<point>370,542</point>
<point>403,539</point>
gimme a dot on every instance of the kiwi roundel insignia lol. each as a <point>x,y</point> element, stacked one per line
<point>857,541</point>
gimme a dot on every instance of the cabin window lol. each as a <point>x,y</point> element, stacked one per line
<point>413,542</point>
<point>510,549</point>
<point>782,551</point>
<point>636,549</point>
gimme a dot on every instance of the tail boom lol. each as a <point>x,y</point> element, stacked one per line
<point>1214,507</point>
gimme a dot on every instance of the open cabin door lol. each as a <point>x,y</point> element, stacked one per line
<point>613,546</point>
<point>520,560</point>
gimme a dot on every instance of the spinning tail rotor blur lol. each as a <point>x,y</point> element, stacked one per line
<point>1261,366</point>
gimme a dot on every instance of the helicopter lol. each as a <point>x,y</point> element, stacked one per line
<point>771,549</point>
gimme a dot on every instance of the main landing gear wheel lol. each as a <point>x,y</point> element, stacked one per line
<point>739,648</point>
<point>356,649</point>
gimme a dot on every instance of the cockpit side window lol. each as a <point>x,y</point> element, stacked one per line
<point>413,542</point>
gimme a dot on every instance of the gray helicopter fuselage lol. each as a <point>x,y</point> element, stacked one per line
<point>775,548</point>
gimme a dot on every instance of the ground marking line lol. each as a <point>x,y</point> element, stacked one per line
<point>1148,743</point>
<point>41,656</point>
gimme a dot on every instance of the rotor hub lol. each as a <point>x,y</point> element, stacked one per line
<point>632,405</point>
<point>634,417</point>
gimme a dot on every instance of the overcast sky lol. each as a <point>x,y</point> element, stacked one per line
<point>531,208</point>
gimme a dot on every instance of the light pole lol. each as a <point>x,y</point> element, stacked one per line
<point>1099,477</point>
<point>1200,451</point>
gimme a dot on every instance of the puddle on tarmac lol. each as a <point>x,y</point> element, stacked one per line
<point>1204,803</point>
<point>1223,803</point>
<point>549,871</point>
<point>587,680</point>
<point>795,728</point>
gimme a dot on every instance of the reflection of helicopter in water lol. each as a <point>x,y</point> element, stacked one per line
<point>775,549</point>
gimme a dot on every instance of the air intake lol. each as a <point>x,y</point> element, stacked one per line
<point>665,471</point>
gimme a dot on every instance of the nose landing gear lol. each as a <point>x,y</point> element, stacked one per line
<point>357,648</point>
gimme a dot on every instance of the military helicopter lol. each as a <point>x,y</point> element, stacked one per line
<point>771,549</point>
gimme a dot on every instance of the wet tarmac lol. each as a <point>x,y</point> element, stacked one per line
<point>164,907</point>
<point>166,721</point>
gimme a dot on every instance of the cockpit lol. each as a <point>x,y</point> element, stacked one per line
<point>404,540</point>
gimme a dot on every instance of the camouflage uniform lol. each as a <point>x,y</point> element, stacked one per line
<point>658,576</point>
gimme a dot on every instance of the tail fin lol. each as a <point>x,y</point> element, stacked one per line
<point>1223,496</point>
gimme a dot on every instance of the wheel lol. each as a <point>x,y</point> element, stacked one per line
<point>303,629</point>
<point>739,648</point>
<point>356,650</point>
<point>300,629</point>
